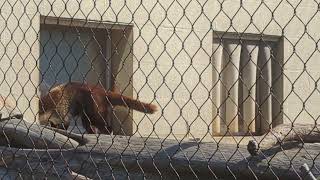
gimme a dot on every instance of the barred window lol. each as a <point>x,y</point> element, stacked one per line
<point>246,73</point>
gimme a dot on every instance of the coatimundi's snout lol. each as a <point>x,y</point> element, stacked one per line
<point>53,119</point>
<point>66,101</point>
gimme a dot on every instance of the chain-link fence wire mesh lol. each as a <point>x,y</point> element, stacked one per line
<point>208,75</point>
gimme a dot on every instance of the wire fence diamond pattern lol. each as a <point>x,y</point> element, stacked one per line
<point>159,89</point>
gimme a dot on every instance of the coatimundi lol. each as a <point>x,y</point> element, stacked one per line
<point>66,101</point>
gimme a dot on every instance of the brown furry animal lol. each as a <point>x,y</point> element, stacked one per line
<point>91,103</point>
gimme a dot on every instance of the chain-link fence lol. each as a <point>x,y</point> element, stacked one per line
<point>159,89</point>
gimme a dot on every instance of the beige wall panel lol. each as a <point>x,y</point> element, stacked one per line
<point>177,31</point>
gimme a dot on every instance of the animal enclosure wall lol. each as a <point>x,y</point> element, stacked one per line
<point>220,72</point>
<point>169,60</point>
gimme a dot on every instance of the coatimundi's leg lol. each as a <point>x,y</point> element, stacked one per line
<point>90,102</point>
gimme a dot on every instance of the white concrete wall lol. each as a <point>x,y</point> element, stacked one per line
<point>172,39</point>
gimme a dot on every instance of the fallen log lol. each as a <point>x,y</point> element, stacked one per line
<point>34,151</point>
<point>122,157</point>
<point>302,133</point>
<point>21,134</point>
<point>110,156</point>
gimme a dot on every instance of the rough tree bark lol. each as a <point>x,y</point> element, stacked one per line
<point>62,154</point>
<point>163,157</point>
<point>302,133</point>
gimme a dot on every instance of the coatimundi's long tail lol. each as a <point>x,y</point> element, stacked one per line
<point>121,100</point>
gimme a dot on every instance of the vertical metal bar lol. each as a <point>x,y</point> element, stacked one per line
<point>216,82</point>
<point>230,78</point>
<point>249,59</point>
<point>264,83</point>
